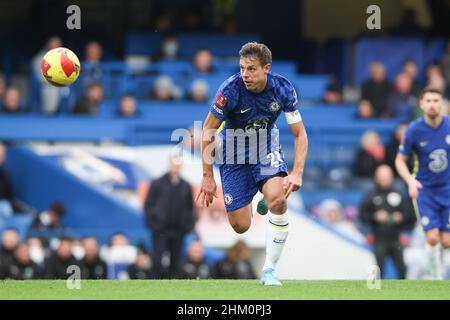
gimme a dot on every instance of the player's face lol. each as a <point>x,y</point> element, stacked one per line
<point>431,104</point>
<point>253,73</point>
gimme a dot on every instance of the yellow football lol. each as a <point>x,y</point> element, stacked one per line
<point>60,67</point>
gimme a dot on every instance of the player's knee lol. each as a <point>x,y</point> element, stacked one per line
<point>446,242</point>
<point>433,239</point>
<point>278,205</point>
<point>240,228</point>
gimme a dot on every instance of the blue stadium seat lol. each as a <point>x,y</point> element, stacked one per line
<point>18,221</point>
<point>336,58</point>
<point>284,68</point>
<point>310,87</point>
<point>220,44</point>
<point>143,43</point>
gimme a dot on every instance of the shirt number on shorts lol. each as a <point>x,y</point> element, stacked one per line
<point>275,159</point>
<point>439,161</point>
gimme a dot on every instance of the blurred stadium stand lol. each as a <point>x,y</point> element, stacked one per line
<point>334,135</point>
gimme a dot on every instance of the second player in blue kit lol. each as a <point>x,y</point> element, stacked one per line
<point>251,159</point>
<point>429,139</point>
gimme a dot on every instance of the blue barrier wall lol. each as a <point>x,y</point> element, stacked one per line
<point>38,181</point>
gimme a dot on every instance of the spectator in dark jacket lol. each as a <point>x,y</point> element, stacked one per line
<point>57,265</point>
<point>10,242</point>
<point>90,104</point>
<point>401,101</point>
<point>387,213</point>
<point>376,89</point>
<point>142,268</point>
<point>93,266</point>
<point>169,214</point>
<point>410,68</point>
<point>6,195</point>
<point>21,267</point>
<point>392,148</point>
<point>370,155</point>
<point>194,265</point>
<point>236,265</point>
<point>11,102</point>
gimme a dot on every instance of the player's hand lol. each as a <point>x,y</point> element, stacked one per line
<point>207,191</point>
<point>397,217</point>
<point>413,188</point>
<point>292,183</point>
<point>381,216</point>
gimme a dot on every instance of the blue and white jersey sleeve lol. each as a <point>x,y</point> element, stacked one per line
<point>290,97</point>
<point>225,100</point>
<point>406,147</point>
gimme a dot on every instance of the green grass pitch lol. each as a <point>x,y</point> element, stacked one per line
<point>222,289</point>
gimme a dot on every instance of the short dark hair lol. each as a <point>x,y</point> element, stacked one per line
<point>259,50</point>
<point>58,208</point>
<point>429,90</point>
<point>93,84</point>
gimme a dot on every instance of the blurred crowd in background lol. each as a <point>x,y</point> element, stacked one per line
<point>387,224</point>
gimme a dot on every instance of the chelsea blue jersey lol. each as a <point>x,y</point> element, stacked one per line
<point>251,113</point>
<point>432,146</point>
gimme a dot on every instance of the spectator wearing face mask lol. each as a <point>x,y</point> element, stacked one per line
<point>169,47</point>
<point>51,218</point>
<point>37,253</point>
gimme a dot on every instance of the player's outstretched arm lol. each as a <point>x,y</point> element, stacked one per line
<point>208,185</point>
<point>401,164</point>
<point>294,180</point>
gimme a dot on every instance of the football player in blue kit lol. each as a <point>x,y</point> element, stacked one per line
<point>429,139</point>
<point>246,107</point>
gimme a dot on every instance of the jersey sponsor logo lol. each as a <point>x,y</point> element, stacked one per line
<point>439,160</point>
<point>221,101</point>
<point>447,139</point>
<point>256,125</point>
<point>246,110</point>
<point>228,198</point>
<point>274,106</point>
<point>423,144</point>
